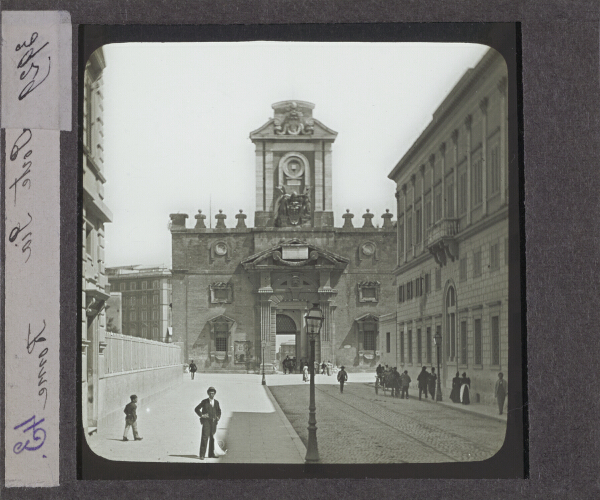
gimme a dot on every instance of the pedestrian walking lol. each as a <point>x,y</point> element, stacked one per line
<point>329,368</point>
<point>500,392</point>
<point>342,376</point>
<point>193,368</point>
<point>209,412</point>
<point>465,387</point>
<point>379,371</point>
<point>323,368</point>
<point>305,373</point>
<point>131,419</point>
<point>455,393</point>
<point>395,382</point>
<point>422,381</point>
<point>405,380</point>
<point>431,383</point>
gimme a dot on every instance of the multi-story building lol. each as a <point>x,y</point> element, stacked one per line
<point>95,215</point>
<point>452,238</point>
<point>145,303</point>
<point>236,288</point>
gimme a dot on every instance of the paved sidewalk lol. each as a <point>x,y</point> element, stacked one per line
<point>252,426</point>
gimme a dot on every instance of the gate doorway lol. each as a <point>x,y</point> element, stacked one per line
<point>287,339</point>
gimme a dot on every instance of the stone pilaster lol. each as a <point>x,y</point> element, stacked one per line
<point>404,225</point>
<point>455,176</point>
<point>327,180</point>
<point>319,187</point>
<point>443,158</point>
<point>483,105</point>
<point>260,177</point>
<point>269,179</point>
<point>468,121</point>
<point>503,142</point>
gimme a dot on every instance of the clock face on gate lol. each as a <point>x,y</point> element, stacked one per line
<point>220,249</point>
<point>368,249</point>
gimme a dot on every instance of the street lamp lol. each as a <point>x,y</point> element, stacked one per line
<point>264,380</point>
<point>314,320</point>
<point>438,342</point>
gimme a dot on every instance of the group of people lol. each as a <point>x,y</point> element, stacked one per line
<point>400,382</point>
<point>209,411</point>
<point>461,388</point>
<point>324,368</point>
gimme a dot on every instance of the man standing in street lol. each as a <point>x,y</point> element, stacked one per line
<point>431,383</point>
<point>405,381</point>
<point>422,380</point>
<point>342,376</point>
<point>209,412</point>
<point>193,368</point>
<point>500,392</point>
<point>131,419</point>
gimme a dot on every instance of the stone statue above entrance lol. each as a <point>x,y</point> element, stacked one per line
<point>292,209</point>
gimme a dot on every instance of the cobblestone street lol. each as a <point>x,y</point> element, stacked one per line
<point>361,427</point>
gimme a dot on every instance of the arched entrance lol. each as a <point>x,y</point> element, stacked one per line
<point>287,340</point>
<point>450,345</point>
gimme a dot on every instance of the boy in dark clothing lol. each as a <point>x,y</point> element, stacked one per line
<point>422,380</point>
<point>193,368</point>
<point>131,419</point>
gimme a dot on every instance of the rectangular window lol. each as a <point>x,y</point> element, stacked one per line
<point>144,285</point>
<point>409,236</point>
<point>144,300</point>
<point>401,293</point>
<point>132,316</point>
<point>495,340</point>
<point>450,200</point>
<point>438,279</point>
<point>478,343</point>
<point>462,194</point>
<point>133,301</point>
<point>462,270</point>
<point>410,354</point>
<point>144,315</point>
<point>495,170</point>
<point>417,287</point>
<point>144,332</point>
<point>402,347</point>
<point>155,314</point>
<point>477,191</point>
<point>155,284</point>
<point>428,221</point>
<point>428,345</point>
<point>122,287</point>
<point>155,332</point>
<point>495,256</point>
<point>221,331</point>
<point>133,285</point>
<point>369,343</point>
<point>438,205</point>
<point>409,290</point>
<point>401,239</point>
<point>388,342</point>
<point>463,342</point>
<point>427,283</point>
<point>477,263</point>
<point>155,299</point>
<point>418,227</point>
<point>419,347</point>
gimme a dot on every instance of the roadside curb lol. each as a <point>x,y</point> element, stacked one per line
<point>460,407</point>
<point>300,448</point>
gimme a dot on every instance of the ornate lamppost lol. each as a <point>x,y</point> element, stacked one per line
<point>264,380</point>
<point>438,342</point>
<point>314,321</point>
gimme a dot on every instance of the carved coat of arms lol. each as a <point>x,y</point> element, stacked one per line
<point>294,122</point>
<point>292,209</point>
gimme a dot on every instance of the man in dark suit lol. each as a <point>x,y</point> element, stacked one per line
<point>209,412</point>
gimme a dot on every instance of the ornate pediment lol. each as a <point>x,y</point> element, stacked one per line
<point>294,254</point>
<point>293,119</point>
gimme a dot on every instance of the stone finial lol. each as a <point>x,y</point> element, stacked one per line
<point>241,220</point>
<point>200,220</point>
<point>348,219</point>
<point>368,219</point>
<point>178,219</point>
<point>387,219</point>
<point>221,220</point>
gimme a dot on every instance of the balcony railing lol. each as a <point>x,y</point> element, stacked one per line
<point>444,228</point>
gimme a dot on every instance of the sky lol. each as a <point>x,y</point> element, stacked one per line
<point>177,119</point>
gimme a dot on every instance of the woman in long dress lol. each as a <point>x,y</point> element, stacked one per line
<point>464,389</point>
<point>305,373</point>
<point>455,394</point>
